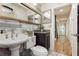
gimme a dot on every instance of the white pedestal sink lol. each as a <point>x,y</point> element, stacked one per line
<point>14,44</point>
<point>15,50</point>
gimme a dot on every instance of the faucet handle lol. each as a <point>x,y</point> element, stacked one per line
<point>16,35</point>
<point>6,36</point>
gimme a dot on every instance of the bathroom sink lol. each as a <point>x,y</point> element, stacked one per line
<point>13,44</point>
<point>4,43</point>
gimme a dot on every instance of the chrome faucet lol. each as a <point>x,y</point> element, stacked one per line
<point>12,36</point>
<point>12,33</point>
<point>6,36</point>
<point>16,34</point>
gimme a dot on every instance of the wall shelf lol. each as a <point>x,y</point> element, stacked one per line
<point>16,19</point>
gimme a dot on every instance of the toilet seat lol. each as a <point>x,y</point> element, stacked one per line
<point>39,51</point>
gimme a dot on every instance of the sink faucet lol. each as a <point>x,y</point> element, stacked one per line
<point>6,36</point>
<point>16,35</point>
<point>12,33</point>
<point>12,36</point>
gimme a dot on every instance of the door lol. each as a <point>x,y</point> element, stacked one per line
<point>78,30</point>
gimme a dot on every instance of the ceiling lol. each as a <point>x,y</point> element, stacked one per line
<point>62,13</point>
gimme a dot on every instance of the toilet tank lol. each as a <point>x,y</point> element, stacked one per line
<point>31,42</point>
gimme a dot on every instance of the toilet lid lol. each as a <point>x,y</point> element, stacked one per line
<point>39,49</point>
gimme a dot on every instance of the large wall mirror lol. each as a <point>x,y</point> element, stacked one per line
<point>20,12</point>
<point>46,21</point>
<point>24,12</point>
<point>47,16</point>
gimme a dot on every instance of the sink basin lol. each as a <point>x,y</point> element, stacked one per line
<point>12,42</point>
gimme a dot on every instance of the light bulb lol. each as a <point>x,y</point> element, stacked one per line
<point>61,10</point>
<point>35,4</point>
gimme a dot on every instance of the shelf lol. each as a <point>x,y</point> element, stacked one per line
<point>16,19</point>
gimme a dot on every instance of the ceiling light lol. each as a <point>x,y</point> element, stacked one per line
<point>35,4</point>
<point>61,10</point>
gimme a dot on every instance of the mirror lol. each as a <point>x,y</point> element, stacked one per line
<point>23,12</point>
<point>20,12</point>
<point>35,18</point>
<point>62,42</point>
<point>46,20</point>
<point>47,16</point>
<point>32,12</point>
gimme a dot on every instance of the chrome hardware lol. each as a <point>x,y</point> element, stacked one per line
<point>75,34</point>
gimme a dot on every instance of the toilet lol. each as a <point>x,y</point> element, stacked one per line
<point>39,51</point>
<point>36,50</point>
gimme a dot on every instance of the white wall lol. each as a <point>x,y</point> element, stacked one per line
<point>73,29</point>
<point>52,31</point>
